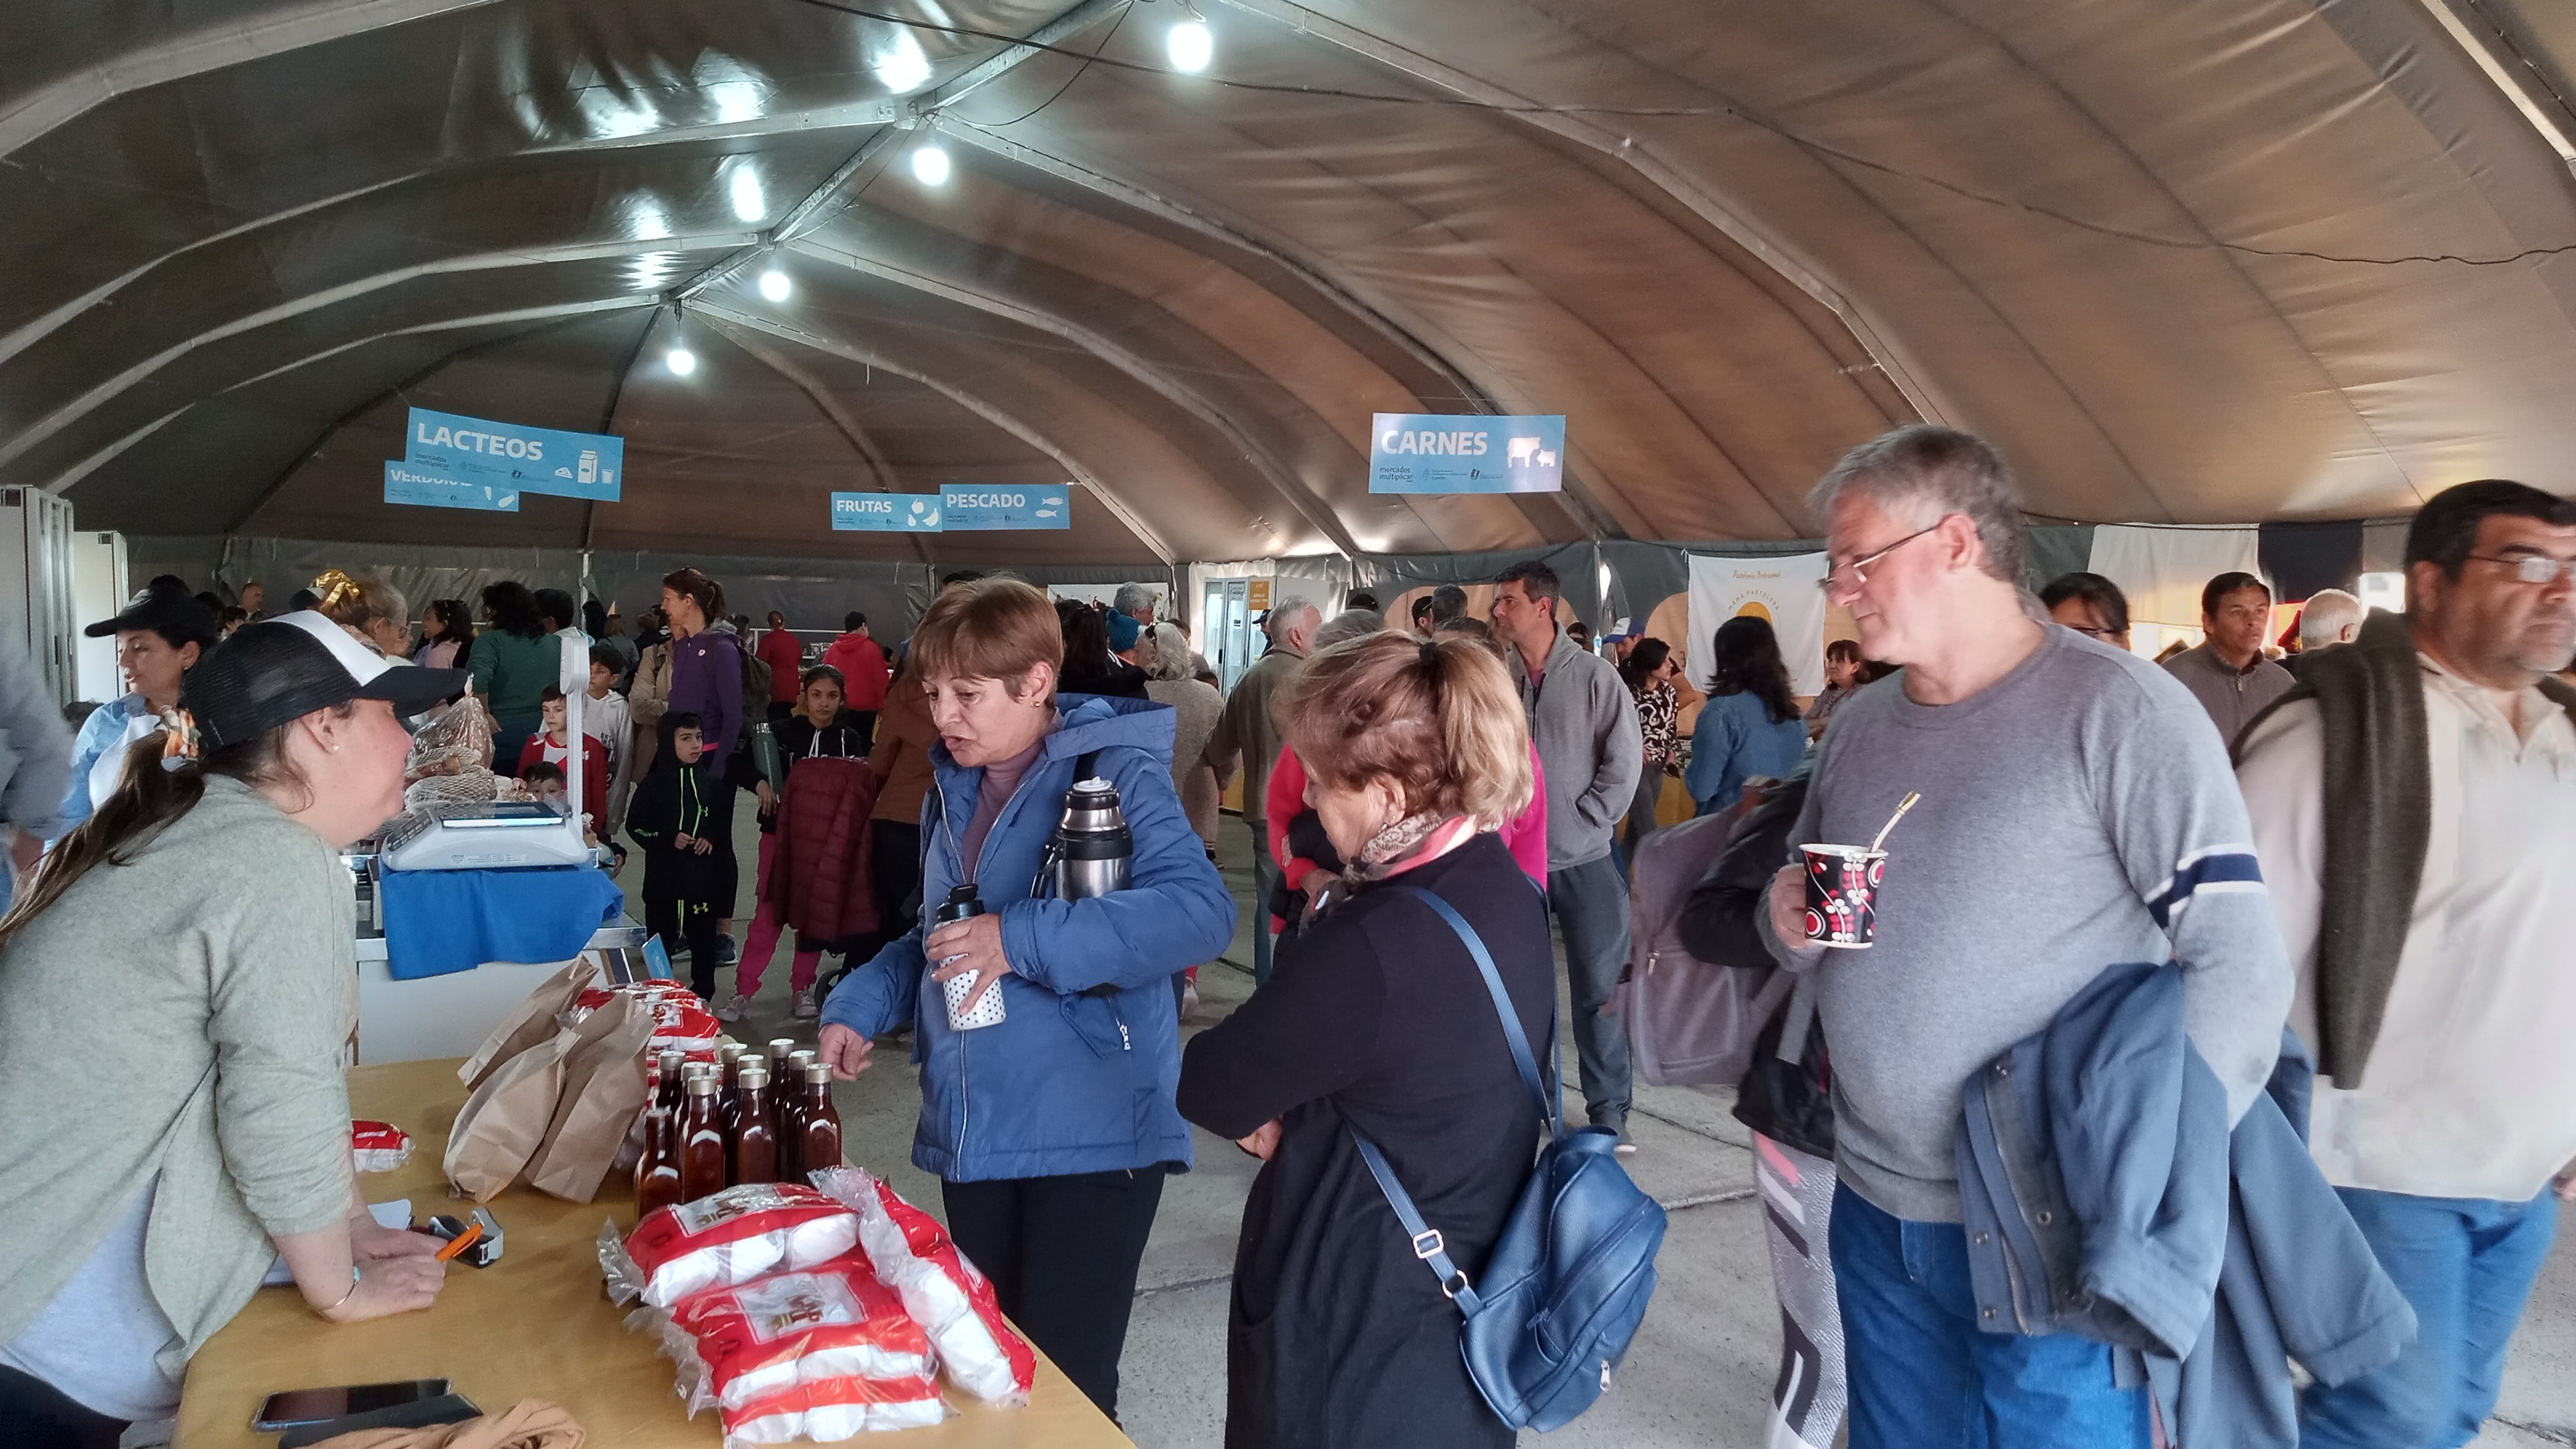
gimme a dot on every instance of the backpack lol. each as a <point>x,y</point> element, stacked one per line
<point>1569,1278</point>
<point>1690,1023</point>
<point>756,676</point>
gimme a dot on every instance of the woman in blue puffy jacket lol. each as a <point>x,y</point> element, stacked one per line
<point>1051,1130</point>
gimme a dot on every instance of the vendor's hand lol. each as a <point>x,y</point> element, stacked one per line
<point>703,846</point>
<point>844,1051</point>
<point>1263,1141</point>
<point>1789,906</point>
<point>976,942</point>
<point>387,1286</point>
<point>372,1242</point>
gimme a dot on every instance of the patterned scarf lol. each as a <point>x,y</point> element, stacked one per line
<point>1396,848</point>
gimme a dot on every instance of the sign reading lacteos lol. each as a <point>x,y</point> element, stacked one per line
<point>531,460</point>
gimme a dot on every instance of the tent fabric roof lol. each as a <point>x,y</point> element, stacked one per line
<point>2184,262</point>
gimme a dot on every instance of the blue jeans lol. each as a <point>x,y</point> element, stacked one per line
<point>1265,879</point>
<point>1590,902</point>
<point>1923,1375</point>
<point>2466,1265</point>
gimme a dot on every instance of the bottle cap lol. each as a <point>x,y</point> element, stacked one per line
<point>704,1084</point>
<point>753,1075</point>
<point>779,1046</point>
<point>729,1050</point>
<point>817,1072</point>
<point>799,1061</point>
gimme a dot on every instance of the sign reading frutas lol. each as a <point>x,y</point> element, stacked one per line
<point>971,506</point>
<point>533,460</point>
<point>886,512</point>
<point>435,488</point>
<point>1449,453</point>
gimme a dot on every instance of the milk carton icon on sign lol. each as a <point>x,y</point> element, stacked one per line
<point>586,468</point>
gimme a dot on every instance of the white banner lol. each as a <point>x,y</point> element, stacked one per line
<point>1783,589</point>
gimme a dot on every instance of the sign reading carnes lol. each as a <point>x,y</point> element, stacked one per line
<point>970,506</point>
<point>533,460</point>
<point>1449,453</point>
<point>886,512</point>
<point>433,488</point>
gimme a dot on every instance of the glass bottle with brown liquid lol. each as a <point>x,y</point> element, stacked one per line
<point>729,1060</point>
<point>780,1080</point>
<point>818,1136</point>
<point>753,1146</point>
<point>702,1144</point>
<point>657,1172</point>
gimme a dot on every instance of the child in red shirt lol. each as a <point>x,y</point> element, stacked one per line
<point>549,745</point>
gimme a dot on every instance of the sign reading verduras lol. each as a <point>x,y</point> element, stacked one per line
<point>886,512</point>
<point>1451,453</point>
<point>412,483</point>
<point>971,506</point>
<point>533,460</point>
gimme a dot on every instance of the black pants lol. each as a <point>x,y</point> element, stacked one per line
<point>676,920</point>
<point>894,878</point>
<point>36,1415</point>
<point>1063,1253</point>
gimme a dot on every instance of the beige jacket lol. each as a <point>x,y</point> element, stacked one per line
<point>184,1014</point>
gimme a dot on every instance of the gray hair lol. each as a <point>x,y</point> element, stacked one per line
<point>1172,656</point>
<point>1287,609</point>
<point>1349,624</point>
<point>1132,597</point>
<point>2322,622</point>
<point>1921,473</point>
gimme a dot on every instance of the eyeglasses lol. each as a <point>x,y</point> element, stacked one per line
<point>2096,633</point>
<point>1834,571</point>
<point>2532,568</point>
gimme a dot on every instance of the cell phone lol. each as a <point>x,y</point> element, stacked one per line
<point>313,1406</point>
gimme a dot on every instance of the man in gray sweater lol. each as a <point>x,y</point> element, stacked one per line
<point>2077,811</point>
<point>1591,748</point>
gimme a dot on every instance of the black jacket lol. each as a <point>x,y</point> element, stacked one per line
<point>674,800</point>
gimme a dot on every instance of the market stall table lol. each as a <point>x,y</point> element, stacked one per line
<point>536,1325</point>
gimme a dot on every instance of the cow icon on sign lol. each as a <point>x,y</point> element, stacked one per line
<point>1526,453</point>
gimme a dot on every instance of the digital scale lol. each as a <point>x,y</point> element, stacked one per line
<point>485,835</point>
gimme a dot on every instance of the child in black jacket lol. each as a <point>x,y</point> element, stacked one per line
<point>683,817</point>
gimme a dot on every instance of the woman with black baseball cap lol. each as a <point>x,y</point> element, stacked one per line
<point>202,916</point>
<point>159,637</point>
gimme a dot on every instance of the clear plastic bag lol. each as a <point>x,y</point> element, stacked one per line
<point>455,739</point>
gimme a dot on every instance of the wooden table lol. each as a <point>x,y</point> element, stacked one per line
<point>535,1325</point>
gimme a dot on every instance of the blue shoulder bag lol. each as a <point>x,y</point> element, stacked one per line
<point>1569,1279</point>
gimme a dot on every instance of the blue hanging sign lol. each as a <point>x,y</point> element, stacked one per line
<point>1459,453</point>
<point>430,487</point>
<point>971,506</point>
<point>886,512</point>
<point>537,460</point>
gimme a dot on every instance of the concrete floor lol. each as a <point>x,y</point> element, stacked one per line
<point>1700,1371</point>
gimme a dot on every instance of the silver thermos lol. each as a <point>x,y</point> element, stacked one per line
<point>1091,850</point>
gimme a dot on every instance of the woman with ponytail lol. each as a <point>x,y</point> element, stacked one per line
<point>201,915</point>
<point>1378,1021</point>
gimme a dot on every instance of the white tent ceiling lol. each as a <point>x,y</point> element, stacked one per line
<point>2186,261</point>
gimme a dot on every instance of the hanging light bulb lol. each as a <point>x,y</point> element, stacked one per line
<point>775,286</point>
<point>1191,45</point>
<point>930,165</point>
<point>681,361</point>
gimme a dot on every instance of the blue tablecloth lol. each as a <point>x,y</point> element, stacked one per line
<point>440,921</point>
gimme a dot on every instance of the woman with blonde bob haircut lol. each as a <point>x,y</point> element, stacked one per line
<point>1377,1021</point>
<point>1052,1128</point>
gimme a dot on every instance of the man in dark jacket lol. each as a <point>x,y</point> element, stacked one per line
<point>2414,802</point>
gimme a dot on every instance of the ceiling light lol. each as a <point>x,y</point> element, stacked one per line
<point>930,165</point>
<point>681,361</point>
<point>775,286</point>
<point>1191,45</point>
<point>900,66</point>
<point>748,203</point>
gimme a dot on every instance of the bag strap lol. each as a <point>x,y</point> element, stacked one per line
<point>1427,1244</point>
<point>1796,1018</point>
<point>1512,1033</point>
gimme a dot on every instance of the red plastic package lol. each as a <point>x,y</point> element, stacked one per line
<point>755,1340</point>
<point>944,1292</point>
<point>378,1146</point>
<point>680,1019</point>
<point>724,1239</point>
<point>833,1409</point>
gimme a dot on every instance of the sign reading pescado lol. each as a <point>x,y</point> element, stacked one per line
<point>536,460</point>
<point>432,488</point>
<point>977,506</point>
<point>886,512</point>
<point>1454,453</point>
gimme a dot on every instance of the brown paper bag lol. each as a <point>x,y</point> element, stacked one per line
<point>504,1121</point>
<point>530,1022</point>
<point>603,1091</point>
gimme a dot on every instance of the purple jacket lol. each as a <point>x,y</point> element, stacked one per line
<point>706,680</point>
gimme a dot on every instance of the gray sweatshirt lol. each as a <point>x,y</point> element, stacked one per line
<point>1590,746</point>
<point>2076,813</point>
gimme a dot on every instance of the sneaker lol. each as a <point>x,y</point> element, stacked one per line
<point>1627,1145</point>
<point>805,1009</point>
<point>726,953</point>
<point>733,1008</point>
<point>1189,1002</point>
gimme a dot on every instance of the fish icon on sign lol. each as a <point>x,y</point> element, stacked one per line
<point>1046,513</point>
